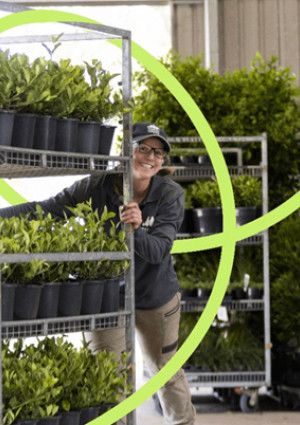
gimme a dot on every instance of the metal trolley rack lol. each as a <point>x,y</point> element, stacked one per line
<point>247,382</point>
<point>17,162</point>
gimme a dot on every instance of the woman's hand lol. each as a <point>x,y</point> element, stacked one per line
<point>131,214</point>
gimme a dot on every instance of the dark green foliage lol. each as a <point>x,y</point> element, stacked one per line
<point>242,102</point>
<point>285,284</point>
<point>225,348</point>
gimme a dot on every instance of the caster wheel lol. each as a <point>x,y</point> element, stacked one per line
<point>157,404</point>
<point>247,405</point>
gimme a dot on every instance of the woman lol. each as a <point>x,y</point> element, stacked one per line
<point>155,214</point>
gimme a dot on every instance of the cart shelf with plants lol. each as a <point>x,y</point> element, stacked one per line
<point>52,160</point>
<point>197,175</point>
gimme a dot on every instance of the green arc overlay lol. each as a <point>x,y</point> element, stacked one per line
<point>230,232</point>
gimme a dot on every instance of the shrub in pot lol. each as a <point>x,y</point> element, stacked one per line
<point>248,196</point>
<point>30,389</point>
<point>204,198</point>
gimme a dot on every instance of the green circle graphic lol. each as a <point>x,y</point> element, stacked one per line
<point>226,240</point>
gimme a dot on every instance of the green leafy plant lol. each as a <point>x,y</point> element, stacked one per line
<point>242,102</point>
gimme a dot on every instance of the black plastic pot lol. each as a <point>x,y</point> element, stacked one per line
<point>27,422</point>
<point>70,418</point>
<point>48,306</point>
<point>245,214</point>
<point>8,300</point>
<point>88,137</point>
<point>51,420</point>
<point>66,134</point>
<point>207,220</point>
<point>190,160</point>
<point>88,414</point>
<point>204,161</point>
<point>106,138</point>
<point>6,126</point>
<point>92,293</point>
<point>23,130</point>
<point>254,293</point>
<point>238,294</point>
<point>45,132</point>
<point>203,294</point>
<point>70,298</point>
<point>111,296</point>
<point>187,225</point>
<point>189,293</point>
<point>27,299</point>
<point>175,160</point>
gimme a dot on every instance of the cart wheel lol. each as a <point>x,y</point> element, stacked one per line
<point>248,404</point>
<point>157,404</point>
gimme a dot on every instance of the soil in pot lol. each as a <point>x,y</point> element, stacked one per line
<point>45,132</point>
<point>70,298</point>
<point>92,293</point>
<point>106,138</point>
<point>48,306</point>
<point>207,220</point>
<point>8,300</point>
<point>70,418</point>
<point>23,130</point>
<point>6,126</point>
<point>245,214</point>
<point>88,137</point>
<point>27,299</point>
<point>88,414</point>
<point>111,296</point>
<point>66,134</point>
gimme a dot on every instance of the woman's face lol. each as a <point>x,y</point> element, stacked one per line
<point>147,164</point>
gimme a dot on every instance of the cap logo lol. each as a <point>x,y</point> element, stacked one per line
<point>153,129</point>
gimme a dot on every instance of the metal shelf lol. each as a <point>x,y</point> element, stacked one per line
<point>19,162</point>
<point>64,256</point>
<point>42,327</point>
<point>194,305</point>
<point>190,173</point>
<point>226,379</point>
<point>253,240</point>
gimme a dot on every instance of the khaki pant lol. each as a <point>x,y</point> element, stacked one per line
<point>157,331</point>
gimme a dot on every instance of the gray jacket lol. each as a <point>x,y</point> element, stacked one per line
<point>162,213</point>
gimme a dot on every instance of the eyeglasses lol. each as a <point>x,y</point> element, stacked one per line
<point>146,150</point>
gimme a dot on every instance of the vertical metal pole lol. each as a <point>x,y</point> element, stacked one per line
<point>128,193</point>
<point>266,255</point>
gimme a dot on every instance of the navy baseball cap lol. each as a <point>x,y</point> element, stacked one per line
<point>144,130</point>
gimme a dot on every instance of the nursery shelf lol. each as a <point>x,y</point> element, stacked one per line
<point>19,162</point>
<point>190,173</point>
<point>253,240</point>
<point>195,305</point>
<point>226,379</point>
<point>41,327</point>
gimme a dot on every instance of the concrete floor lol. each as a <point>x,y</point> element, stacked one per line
<point>211,412</point>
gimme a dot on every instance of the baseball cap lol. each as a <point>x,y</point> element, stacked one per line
<point>144,130</point>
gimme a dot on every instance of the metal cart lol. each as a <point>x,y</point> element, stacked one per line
<point>17,162</point>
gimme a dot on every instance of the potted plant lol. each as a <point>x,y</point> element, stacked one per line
<point>248,195</point>
<point>204,198</point>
